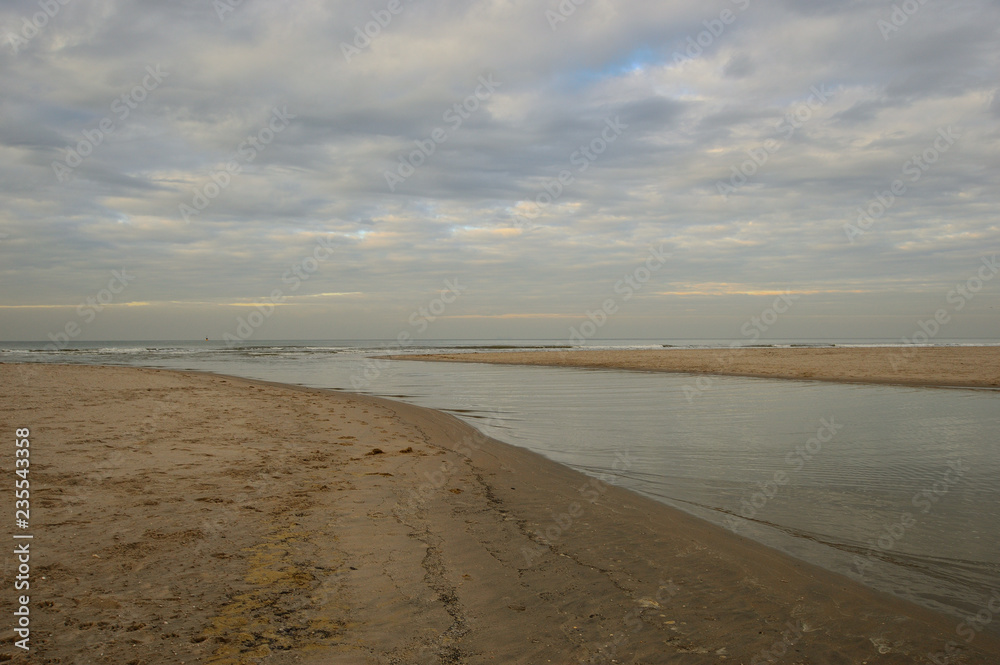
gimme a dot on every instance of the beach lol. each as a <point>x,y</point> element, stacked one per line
<point>961,366</point>
<point>182,517</point>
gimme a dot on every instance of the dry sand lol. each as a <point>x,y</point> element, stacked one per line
<point>189,518</point>
<point>977,366</point>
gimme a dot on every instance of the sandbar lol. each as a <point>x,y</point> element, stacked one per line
<point>956,366</point>
<point>183,517</point>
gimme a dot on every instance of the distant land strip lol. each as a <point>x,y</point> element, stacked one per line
<point>953,366</point>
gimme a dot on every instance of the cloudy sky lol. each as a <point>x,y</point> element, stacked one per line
<point>345,159</point>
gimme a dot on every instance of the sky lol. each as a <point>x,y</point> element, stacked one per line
<point>499,169</point>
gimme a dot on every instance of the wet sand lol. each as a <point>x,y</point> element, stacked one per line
<point>187,518</point>
<point>970,367</point>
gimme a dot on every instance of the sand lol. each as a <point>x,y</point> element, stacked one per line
<point>189,518</point>
<point>970,367</point>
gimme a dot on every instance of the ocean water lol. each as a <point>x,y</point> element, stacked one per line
<point>897,487</point>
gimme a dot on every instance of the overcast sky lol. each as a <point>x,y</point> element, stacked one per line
<point>225,153</point>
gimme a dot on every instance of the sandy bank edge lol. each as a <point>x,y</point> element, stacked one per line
<point>637,542</point>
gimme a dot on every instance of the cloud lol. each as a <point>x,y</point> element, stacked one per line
<point>690,122</point>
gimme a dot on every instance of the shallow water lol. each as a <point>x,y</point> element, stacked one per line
<point>896,487</point>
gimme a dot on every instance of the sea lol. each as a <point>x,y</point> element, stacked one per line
<point>896,487</point>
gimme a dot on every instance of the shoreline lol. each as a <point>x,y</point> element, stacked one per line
<point>225,520</point>
<point>937,367</point>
